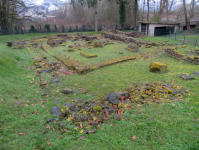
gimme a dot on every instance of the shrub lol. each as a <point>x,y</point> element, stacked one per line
<point>63,28</point>
<point>32,29</point>
<point>47,26</point>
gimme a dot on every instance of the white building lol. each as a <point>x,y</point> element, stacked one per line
<point>158,28</point>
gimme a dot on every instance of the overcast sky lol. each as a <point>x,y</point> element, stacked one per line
<point>39,2</point>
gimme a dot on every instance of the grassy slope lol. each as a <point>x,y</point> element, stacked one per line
<point>170,127</point>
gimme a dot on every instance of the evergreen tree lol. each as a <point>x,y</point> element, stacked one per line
<point>122,13</point>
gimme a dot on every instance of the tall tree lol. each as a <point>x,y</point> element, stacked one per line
<point>148,10</point>
<point>135,14</point>
<point>122,12</point>
<point>90,3</point>
<point>186,18</point>
<point>143,9</point>
<point>12,10</point>
<point>192,8</point>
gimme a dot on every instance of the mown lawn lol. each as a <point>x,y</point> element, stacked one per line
<point>155,126</point>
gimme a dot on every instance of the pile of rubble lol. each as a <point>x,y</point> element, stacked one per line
<point>102,110</point>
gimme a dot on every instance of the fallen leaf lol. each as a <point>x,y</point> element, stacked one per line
<point>21,134</point>
<point>89,122</point>
<point>133,137</point>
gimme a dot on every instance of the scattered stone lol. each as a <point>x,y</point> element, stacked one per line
<point>76,128</point>
<point>112,99</point>
<point>57,102</point>
<point>67,91</point>
<point>79,99</point>
<point>158,67</point>
<point>56,111</point>
<point>171,90</point>
<point>119,95</point>
<point>93,123</point>
<point>48,70</point>
<point>56,80</point>
<point>9,43</point>
<point>62,124</point>
<point>50,120</point>
<point>92,105</point>
<point>187,77</point>
<point>84,91</point>
<point>81,138</point>
<point>151,119</point>
<point>117,117</point>
<point>97,108</point>
<point>75,91</point>
<point>92,131</point>
<point>132,47</point>
<point>69,105</point>
<point>196,73</point>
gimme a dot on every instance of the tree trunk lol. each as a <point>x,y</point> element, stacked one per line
<point>167,11</point>
<point>96,25</point>
<point>143,10</point>
<point>192,9</point>
<point>148,10</point>
<point>186,18</point>
<point>135,14</point>
<point>162,6</point>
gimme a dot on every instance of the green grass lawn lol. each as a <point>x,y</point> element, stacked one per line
<point>103,54</point>
<point>156,126</point>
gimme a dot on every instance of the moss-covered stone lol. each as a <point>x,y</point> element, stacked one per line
<point>158,67</point>
<point>97,108</point>
<point>120,105</point>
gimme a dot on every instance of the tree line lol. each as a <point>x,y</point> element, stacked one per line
<point>100,12</point>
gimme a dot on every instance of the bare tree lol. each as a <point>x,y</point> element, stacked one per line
<point>192,8</point>
<point>186,18</point>
<point>11,11</point>
<point>143,8</point>
<point>148,10</point>
<point>135,14</point>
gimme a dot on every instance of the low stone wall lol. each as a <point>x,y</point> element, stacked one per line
<point>193,59</point>
<point>123,38</point>
<point>172,52</point>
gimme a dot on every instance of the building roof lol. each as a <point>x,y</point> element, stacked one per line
<point>165,23</point>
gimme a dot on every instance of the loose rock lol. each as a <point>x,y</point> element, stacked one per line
<point>196,73</point>
<point>62,124</point>
<point>119,95</point>
<point>92,131</point>
<point>67,91</point>
<point>158,67</point>
<point>112,99</point>
<point>56,111</point>
<point>187,77</point>
<point>81,138</point>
